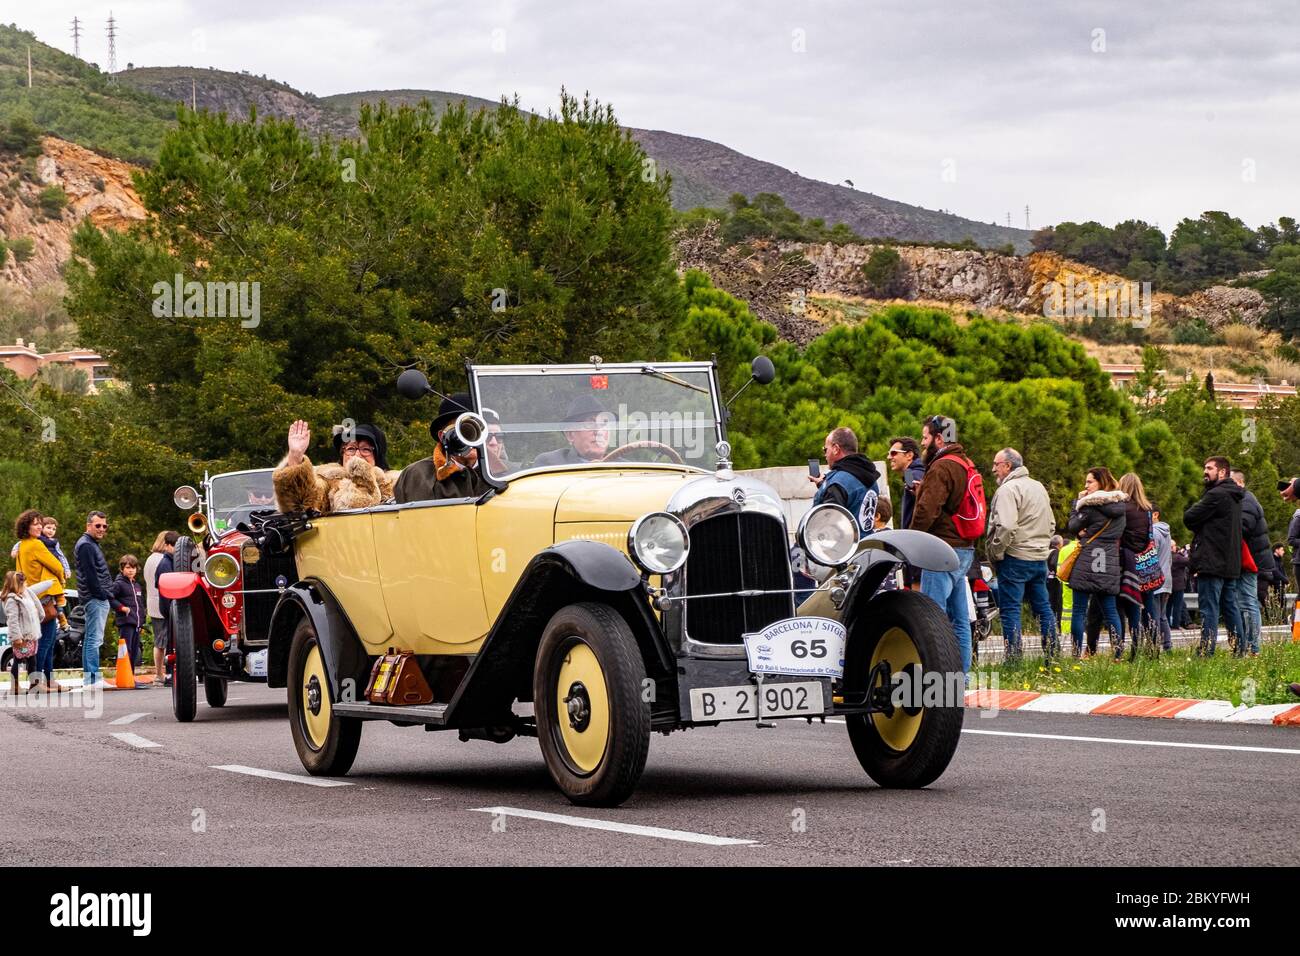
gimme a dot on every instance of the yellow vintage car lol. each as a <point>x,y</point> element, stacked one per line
<point>618,576</point>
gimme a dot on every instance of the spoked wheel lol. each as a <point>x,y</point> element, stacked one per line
<point>214,689</point>
<point>184,691</point>
<point>592,723</point>
<point>326,743</point>
<point>905,631</point>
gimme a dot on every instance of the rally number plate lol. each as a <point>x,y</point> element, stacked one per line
<point>747,702</point>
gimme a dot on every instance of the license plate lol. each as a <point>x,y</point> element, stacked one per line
<point>748,702</point>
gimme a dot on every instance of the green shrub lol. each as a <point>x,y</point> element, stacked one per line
<point>1193,332</point>
<point>53,200</point>
<point>885,272</point>
<point>23,247</point>
<point>21,137</point>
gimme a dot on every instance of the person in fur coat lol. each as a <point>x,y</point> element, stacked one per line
<point>359,479</point>
<point>1098,521</point>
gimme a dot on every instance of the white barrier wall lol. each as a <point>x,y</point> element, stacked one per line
<point>796,491</point>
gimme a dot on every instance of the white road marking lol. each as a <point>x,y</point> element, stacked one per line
<point>135,740</point>
<point>1118,740</point>
<point>129,718</point>
<point>277,775</point>
<point>685,836</point>
<point>1136,743</point>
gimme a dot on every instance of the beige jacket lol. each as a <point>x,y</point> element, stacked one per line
<point>1020,519</point>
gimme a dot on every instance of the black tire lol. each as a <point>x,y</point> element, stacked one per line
<point>592,641</point>
<point>214,690</point>
<point>326,746</point>
<point>912,748</point>
<point>186,556</point>
<point>185,700</point>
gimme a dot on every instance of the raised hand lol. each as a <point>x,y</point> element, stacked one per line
<point>299,440</point>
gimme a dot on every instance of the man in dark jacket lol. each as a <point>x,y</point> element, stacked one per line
<point>850,482</point>
<point>94,591</point>
<point>905,458</point>
<point>937,500</point>
<point>451,472</point>
<point>1215,523</point>
<point>1254,531</point>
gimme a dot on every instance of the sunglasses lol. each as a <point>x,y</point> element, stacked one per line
<point>99,526</point>
<point>894,451</point>
<point>494,437</point>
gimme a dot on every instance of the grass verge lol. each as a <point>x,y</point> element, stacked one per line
<point>1177,673</point>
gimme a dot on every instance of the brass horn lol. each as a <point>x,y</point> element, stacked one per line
<point>198,523</point>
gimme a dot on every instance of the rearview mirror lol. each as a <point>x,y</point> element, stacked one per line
<point>762,370</point>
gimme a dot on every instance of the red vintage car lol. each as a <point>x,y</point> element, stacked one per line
<point>224,587</point>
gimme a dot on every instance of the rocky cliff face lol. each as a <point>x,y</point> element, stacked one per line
<point>775,278</point>
<point>97,188</point>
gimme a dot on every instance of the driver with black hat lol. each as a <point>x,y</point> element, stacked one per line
<point>586,443</point>
<point>449,472</point>
<point>359,479</point>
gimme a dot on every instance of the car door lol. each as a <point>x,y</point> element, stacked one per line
<point>428,563</point>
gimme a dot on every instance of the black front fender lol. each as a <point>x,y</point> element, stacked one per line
<point>345,656</point>
<point>565,573</point>
<point>882,551</point>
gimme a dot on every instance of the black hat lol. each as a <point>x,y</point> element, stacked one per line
<point>582,408</point>
<point>449,410</point>
<point>371,433</point>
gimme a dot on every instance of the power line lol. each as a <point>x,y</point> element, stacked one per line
<point>76,37</point>
<point>112,43</point>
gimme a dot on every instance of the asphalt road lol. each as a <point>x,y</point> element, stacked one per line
<point>1017,792</point>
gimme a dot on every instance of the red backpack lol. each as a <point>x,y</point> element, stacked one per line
<point>972,512</point>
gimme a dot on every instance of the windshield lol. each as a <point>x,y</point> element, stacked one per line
<point>233,497</point>
<point>582,415</point>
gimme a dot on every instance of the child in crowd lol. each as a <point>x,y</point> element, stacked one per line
<point>23,615</point>
<point>129,605</point>
<point>51,540</point>
<point>884,512</point>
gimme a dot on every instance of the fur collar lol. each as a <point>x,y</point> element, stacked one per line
<point>1102,498</point>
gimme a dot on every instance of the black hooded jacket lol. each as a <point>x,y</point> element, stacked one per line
<point>1215,522</point>
<point>863,470</point>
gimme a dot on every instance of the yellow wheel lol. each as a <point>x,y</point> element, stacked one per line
<point>582,697</point>
<point>896,648</point>
<point>317,712</point>
<point>326,743</point>
<point>903,641</point>
<point>593,719</point>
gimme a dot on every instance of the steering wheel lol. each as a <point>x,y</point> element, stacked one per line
<point>667,450</point>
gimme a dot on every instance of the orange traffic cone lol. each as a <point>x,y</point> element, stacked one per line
<point>125,679</point>
<point>1295,622</point>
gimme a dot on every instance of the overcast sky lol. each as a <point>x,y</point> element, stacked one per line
<point>1104,110</point>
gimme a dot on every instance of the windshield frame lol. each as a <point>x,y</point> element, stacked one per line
<point>209,499</point>
<point>709,369</point>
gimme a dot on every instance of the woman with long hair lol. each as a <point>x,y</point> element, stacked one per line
<point>1098,522</point>
<point>1136,597</point>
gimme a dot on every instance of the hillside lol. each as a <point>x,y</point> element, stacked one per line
<point>73,100</point>
<point>96,188</point>
<point>235,93</point>
<point>704,173</point>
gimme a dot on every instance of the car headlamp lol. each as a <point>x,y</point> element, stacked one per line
<point>658,542</point>
<point>829,535</point>
<point>221,570</point>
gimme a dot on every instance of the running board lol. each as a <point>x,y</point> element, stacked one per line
<point>419,713</point>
